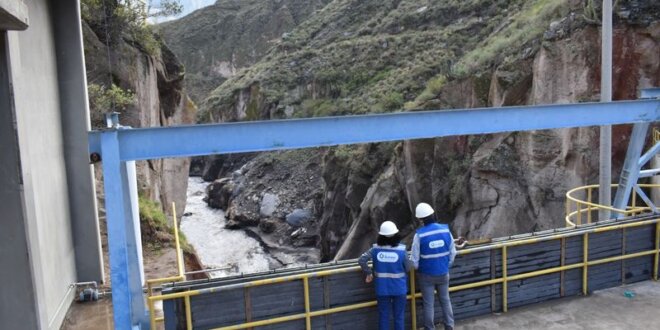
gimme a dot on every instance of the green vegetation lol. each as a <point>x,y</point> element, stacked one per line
<point>593,10</point>
<point>155,229</point>
<point>526,25</point>
<point>102,100</point>
<point>128,19</point>
<point>431,91</point>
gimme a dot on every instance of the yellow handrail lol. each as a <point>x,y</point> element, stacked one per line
<point>181,277</point>
<point>574,218</point>
<point>308,313</point>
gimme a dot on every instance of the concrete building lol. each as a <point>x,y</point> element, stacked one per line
<point>49,237</point>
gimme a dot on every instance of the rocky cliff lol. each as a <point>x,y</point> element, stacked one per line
<point>377,56</point>
<point>155,77</point>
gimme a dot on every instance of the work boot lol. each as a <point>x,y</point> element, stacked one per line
<point>448,327</point>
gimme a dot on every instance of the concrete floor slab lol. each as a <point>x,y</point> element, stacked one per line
<point>607,309</point>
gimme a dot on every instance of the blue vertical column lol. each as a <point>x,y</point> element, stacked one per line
<point>631,167</point>
<point>127,297</point>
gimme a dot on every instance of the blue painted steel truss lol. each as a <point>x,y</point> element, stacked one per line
<point>116,146</point>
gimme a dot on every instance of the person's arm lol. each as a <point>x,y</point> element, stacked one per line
<point>414,252</point>
<point>363,261</point>
<point>452,250</point>
<point>408,264</point>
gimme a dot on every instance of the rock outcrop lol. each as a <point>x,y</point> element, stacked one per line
<point>156,79</point>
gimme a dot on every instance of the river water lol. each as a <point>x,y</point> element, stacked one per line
<point>216,246</point>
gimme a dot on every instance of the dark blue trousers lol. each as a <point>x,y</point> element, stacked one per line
<point>391,305</point>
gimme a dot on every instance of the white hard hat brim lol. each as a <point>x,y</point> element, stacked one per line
<point>388,234</point>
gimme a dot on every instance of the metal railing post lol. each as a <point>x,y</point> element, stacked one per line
<point>177,243</point>
<point>579,213</point>
<point>413,303</point>
<point>585,262</point>
<point>505,286</point>
<point>589,196</point>
<point>150,305</point>
<point>308,318</point>
<point>189,324</point>
<point>568,210</point>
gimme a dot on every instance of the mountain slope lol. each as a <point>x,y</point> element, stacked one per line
<point>217,41</point>
<point>373,56</point>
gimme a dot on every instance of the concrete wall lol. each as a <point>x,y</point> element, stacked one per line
<point>48,202</point>
<point>17,300</point>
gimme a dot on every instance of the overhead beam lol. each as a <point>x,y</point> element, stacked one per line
<point>13,15</point>
<point>198,140</point>
<point>650,93</point>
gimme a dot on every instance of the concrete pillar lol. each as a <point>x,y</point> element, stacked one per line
<point>75,124</point>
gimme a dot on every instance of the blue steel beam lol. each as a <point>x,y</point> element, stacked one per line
<point>127,298</point>
<point>631,167</point>
<point>198,140</point>
<point>650,93</point>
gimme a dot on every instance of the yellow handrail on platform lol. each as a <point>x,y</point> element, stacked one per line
<point>181,277</point>
<point>576,206</point>
<point>503,280</point>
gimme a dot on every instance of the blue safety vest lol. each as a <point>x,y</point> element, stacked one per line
<point>434,243</point>
<point>389,270</point>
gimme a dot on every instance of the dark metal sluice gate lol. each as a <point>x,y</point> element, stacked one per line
<point>528,269</point>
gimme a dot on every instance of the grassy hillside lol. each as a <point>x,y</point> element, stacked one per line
<point>216,41</point>
<point>365,56</point>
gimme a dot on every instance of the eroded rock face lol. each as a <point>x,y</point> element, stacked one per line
<point>157,82</point>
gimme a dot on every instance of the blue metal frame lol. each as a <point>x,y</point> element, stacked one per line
<point>116,146</point>
<point>631,166</point>
<point>650,93</point>
<point>124,267</point>
<point>197,140</point>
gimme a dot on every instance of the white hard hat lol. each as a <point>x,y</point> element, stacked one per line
<point>423,210</point>
<point>388,228</point>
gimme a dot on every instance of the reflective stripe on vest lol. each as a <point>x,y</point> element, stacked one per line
<point>437,231</point>
<point>390,275</point>
<point>437,255</point>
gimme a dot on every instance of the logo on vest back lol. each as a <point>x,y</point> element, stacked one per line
<point>436,244</point>
<point>387,257</point>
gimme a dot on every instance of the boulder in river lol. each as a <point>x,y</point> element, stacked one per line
<point>298,217</point>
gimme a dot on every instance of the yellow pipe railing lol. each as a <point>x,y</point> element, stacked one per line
<point>181,277</point>
<point>413,302</point>
<point>177,242</point>
<point>505,280</point>
<point>308,318</point>
<point>575,206</point>
<point>585,263</point>
<point>308,313</point>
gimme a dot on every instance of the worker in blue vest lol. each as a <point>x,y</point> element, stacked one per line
<point>432,254</point>
<point>390,268</point>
